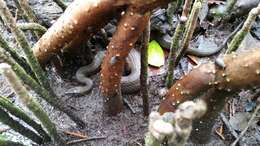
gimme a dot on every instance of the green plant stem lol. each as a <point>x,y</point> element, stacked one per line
<point>21,12</point>
<point>150,140</point>
<point>30,15</point>
<point>21,61</point>
<point>172,55</point>
<point>61,4</point>
<point>32,26</point>
<point>16,126</point>
<point>229,7</point>
<point>51,99</point>
<point>17,112</point>
<point>241,34</point>
<point>28,11</point>
<point>179,3</point>
<point>190,28</point>
<point>21,39</point>
<point>175,43</point>
<point>4,142</point>
<point>27,100</point>
<point>144,70</point>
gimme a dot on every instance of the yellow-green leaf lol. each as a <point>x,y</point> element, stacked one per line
<point>155,54</point>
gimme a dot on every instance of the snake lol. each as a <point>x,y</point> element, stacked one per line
<point>166,40</point>
<point>129,83</point>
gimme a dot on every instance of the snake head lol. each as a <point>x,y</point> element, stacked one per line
<point>220,62</point>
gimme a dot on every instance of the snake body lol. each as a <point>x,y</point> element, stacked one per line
<point>129,83</point>
<point>166,40</point>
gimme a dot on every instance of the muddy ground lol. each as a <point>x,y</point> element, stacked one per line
<point>126,129</point>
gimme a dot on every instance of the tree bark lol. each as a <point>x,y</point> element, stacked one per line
<point>215,82</point>
<point>235,72</point>
<point>131,25</point>
<point>81,19</point>
<point>215,100</point>
<point>128,31</point>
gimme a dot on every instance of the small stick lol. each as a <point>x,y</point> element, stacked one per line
<point>220,132</point>
<point>144,70</point>
<point>226,122</point>
<point>85,139</point>
<point>129,105</point>
<point>76,134</point>
<point>248,125</point>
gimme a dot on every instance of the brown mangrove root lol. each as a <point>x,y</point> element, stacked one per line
<point>81,19</point>
<point>128,31</point>
<point>218,80</point>
<point>131,25</point>
<point>231,73</point>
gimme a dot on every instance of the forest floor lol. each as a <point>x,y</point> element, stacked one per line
<point>128,128</point>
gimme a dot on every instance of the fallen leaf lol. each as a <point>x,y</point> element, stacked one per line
<point>239,121</point>
<point>206,47</point>
<point>155,54</point>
